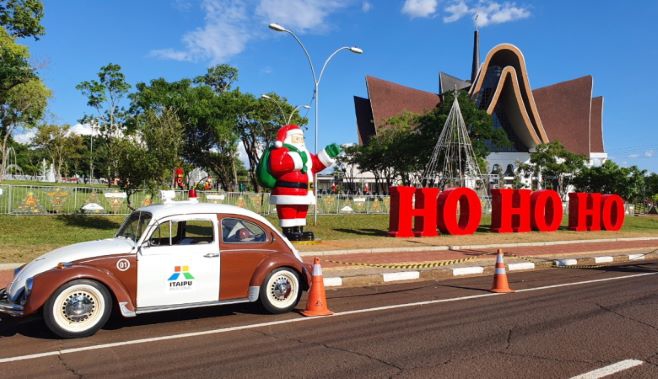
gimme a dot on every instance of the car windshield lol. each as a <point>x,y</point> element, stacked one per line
<point>134,225</point>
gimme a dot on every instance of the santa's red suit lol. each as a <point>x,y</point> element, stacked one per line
<point>294,166</point>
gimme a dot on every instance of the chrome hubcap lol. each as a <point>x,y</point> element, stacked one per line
<point>281,288</point>
<point>78,307</point>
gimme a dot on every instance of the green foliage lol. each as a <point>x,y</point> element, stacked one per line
<point>105,96</point>
<point>147,157</point>
<point>15,68</point>
<point>22,18</point>
<point>610,178</point>
<point>61,147</point>
<point>556,165</point>
<point>216,118</point>
<point>21,107</point>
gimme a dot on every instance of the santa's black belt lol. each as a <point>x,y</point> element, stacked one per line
<point>308,186</point>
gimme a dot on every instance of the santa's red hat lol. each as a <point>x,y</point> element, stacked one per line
<point>286,132</point>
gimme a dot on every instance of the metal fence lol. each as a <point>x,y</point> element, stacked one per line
<point>63,200</point>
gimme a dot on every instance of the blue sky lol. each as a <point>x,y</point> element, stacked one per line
<point>405,41</point>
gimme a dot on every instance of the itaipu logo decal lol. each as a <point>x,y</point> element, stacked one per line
<point>176,281</point>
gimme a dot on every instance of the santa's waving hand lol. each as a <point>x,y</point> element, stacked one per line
<point>293,166</point>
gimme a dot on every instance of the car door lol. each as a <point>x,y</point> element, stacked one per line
<point>244,245</point>
<point>179,262</point>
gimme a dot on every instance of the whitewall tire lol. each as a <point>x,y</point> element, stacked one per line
<point>78,309</point>
<point>281,291</point>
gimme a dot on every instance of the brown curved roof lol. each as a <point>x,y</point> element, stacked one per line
<point>388,99</point>
<point>565,109</point>
<point>596,132</point>
<point>507,55</point>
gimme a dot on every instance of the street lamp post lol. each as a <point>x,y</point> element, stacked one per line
<point>283,114</point>
<point>316,93</point>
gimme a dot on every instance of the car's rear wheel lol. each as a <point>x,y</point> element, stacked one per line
<point>281,291</point>
<point>78,309</point>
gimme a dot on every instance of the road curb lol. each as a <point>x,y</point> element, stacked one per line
<point>447,272</point>
<point>321,253</point>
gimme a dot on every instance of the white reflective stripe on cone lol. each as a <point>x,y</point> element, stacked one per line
<point>499,258</point>
<point>500,271</point>
<point>317,270</point>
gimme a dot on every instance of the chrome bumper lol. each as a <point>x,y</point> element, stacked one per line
<point>7,307</point>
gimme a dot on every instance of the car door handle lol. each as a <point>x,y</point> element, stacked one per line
<point>211,255</point>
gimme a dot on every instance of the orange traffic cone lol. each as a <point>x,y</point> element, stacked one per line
<point>317,298</point>
<point>500,283</point>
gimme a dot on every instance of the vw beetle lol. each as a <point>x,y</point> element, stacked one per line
<point>164,257</point>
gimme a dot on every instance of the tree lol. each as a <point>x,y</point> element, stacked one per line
<point>22,107</point>
<point>556,166</point>
<point>105,95</point>
<point>220,78</point>
<point>22,18</point>
<point>147,156</point>
<point>610,178</point>
<point>215,119</point>
<point>59,145</point>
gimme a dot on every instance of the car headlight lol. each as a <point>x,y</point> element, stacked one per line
<point>28,287</point>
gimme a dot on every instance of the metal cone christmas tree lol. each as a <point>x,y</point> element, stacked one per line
<point>453,162</point>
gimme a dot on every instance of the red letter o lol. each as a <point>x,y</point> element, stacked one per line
<point>470,211</point>
<point>546,210</point>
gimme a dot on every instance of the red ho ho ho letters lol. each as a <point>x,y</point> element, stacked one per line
<point>427,212</point>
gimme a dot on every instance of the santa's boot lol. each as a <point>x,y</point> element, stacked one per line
<point>292,233</point>
<point>306,236</point>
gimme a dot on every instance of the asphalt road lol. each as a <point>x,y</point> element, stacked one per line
<point>460,330</point>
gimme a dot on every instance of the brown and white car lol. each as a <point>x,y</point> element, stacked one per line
<point>164,257</point>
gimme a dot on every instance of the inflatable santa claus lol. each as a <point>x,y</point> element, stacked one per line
<point>294,168</point>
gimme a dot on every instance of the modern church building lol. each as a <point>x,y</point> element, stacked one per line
<point>565,112</point>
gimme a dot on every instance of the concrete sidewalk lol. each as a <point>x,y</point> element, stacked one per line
<point>358,267</point>
<point>362,265</point>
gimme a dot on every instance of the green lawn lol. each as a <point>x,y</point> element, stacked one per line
<point>24,237</point>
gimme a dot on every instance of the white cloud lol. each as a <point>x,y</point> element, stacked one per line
<point>419,8</point>
<point>225,33</point>
<point>486,12</point>
<point>633,155</point>
<point>456,10</point>
<point>229,25</point>
<point>366,6</point>
<point>83,130</point>
<point>299,15</point>
<point>25,136</point>
<point>649,153</point>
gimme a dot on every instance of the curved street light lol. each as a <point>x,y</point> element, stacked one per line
<point>283,114</point>
<point>316,94</point>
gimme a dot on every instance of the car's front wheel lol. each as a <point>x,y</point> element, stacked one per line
<point>281,291</point>
<point>78,309</point>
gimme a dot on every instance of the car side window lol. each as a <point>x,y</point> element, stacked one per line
<point>241,231</point>
<point>188,232</point>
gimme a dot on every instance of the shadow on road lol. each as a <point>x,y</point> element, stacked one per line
<point>35,328</point>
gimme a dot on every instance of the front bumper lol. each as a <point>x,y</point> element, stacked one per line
<point>7,307</point>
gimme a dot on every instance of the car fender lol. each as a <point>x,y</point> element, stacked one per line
<point>46,283</point>
<point>281,261</point>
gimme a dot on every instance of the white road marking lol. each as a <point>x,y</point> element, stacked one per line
<point>606,259</point>
<point>294,320</point>
<point>521,266</point>
<point>467,270</point>
<point>636,257</point>
<point>404,275</point>
<point>609,370</point>
<point>333,282</point>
